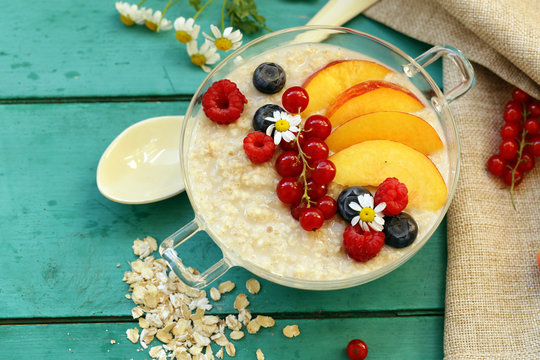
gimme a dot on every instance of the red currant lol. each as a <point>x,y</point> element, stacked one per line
<point>534,108</point>
<point>513,104</point>
<point>328,206</point>
<point>510,130</point>
<point>534,145</point>
<point>288,146</point>
<point>520,95</point>
<point>532,125</point>
<point>357,350</point>
<point>526,163</point>
<point>508,149</point>
<point>288,164</point>
<point>289,190</point>
<point>311,219</point>
<point>315,149</point>
<point>496,165</point>
<point>315,191</point>
<point>295,99</point>
<point>507,177</point>
<point>298,208</point>
<point>317,126</point>
<point>323,171</point>
<point>512,115</point>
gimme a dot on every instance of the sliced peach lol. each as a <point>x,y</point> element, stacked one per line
<point>369,163</point>
<point>397,126</point>
<point>371,96</point>
<point>326,84</point>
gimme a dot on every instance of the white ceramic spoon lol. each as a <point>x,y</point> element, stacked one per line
<point>142,165</point>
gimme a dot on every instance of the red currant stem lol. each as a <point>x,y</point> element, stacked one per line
<point>305,167</point>
<point>522,144</point>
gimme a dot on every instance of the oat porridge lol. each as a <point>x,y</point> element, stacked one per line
<point>237,198</point>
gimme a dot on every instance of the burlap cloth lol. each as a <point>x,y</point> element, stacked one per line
<point>493,281</point>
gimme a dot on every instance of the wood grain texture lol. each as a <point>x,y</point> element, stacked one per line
<point>387,338</point>
<point>62,239</point>
<point>61,49</point>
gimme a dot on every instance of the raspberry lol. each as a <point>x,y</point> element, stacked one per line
<point>394,194</point>
<point>259,147</point>
<point>223,103</point>
<point>362,245</point>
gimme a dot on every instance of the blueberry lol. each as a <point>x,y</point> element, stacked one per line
<point>345,198</point>
<point>269,78</point>
<point>400,230</point>
<point>259,119</point>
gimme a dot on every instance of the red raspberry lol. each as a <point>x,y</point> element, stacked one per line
<point>362,245</point>
<point>394,194</point>
<point>223,103</point>
<point>259,147</point>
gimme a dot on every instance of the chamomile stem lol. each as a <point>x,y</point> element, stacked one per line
<point>305,167</point>
<point>201,9</point>
<point>141,2</point>
<point>223,16</point>
<point>522,144</point>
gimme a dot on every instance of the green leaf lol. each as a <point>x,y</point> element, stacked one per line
<point>244,16</point>
<point>196,4</point>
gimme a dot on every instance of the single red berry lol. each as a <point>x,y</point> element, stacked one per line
<point>357,350</point>
<point>362,245</point>
<point>328,206</point>
<point>517,177</point>
<point>289,190</point>
<point>526,162</point>
<point>259,147</point>
<point>288,164</point>
<point>295,99</point>
<point>534,145</point>
<point>288,146</point>
<point>311,219</point>
<point>513,104</point>
<point>223,103</point>
<point>510,130</point>
<point>323,171</point>
<point>318,126</point>
<point>532,125</point>
<point>520,95</point>
<point>315,149</point>
<point>508,149</point>
<point>298,208</point>
<point>512,115</point>
<point>534,108</point>
<point>394,194</point>
<point>315,191</point>
<point>496,165</point>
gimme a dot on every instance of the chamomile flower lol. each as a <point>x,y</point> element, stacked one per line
<point>186,30</point>
<point>368,216</point>
<point>206,55</point>
<point>130,14</point>
<point>226,41</point>
<point>155,21</point>
<point>285,125</point>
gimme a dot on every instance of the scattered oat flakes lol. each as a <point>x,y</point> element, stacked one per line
<point>219,354</point>
<point>241,302</point>
<point>117,265</point>
<point>226,287</point>
<point>215,294</point>
<point>128,296</point>
<point>113,342</point>
<point>291,331</point>
<point>265,321</point>
<point>253,286</point>
<point>154,351</point>
<point>232,322</point>
<point>236,335</point>
<point>137,312</point>
<point>253,327</point>
<point>133,335</point>
<point>145,247</point>
<point>260,355</point>
<point>230,349</point>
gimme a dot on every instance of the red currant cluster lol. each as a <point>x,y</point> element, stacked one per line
<point>305,167</point>
<point>520,139</point>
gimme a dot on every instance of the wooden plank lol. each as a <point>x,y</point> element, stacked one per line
<point>62,49</point>
<point>387,338</point>
<point>62,239</point>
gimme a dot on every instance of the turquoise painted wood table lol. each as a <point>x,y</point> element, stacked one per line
<point>73,77</point>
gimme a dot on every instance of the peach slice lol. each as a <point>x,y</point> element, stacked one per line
<point>369,163</point>
<point>326,84</point>
<point>397,126</point>
<point>371,96</point>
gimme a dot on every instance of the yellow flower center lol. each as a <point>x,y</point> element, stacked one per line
<point>127,20</point>
<point>223,44</point>
<point>198,59</point>
<point>150,25</point>
<point>282,125</point>
<point>183,36</point>
<point>367,214</point>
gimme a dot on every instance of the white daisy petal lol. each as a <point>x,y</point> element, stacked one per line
<point>215,31</point>
<point>364,226</point>
<point>355,206</point>
<point>378,220</point>
<point>269,130</point>
<point>355,220</point>
<point>294,129</point>
<point>375,226</point>
<point>288,136</point>
<point>227,32</point>
<point>277,137</point>
<point>363,200</point>
<point>380,207</point>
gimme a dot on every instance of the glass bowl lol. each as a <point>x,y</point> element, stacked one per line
<point>382,51</point>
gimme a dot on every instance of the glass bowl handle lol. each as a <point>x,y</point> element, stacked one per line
<point>168,252</point>
<point>462,63</point>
